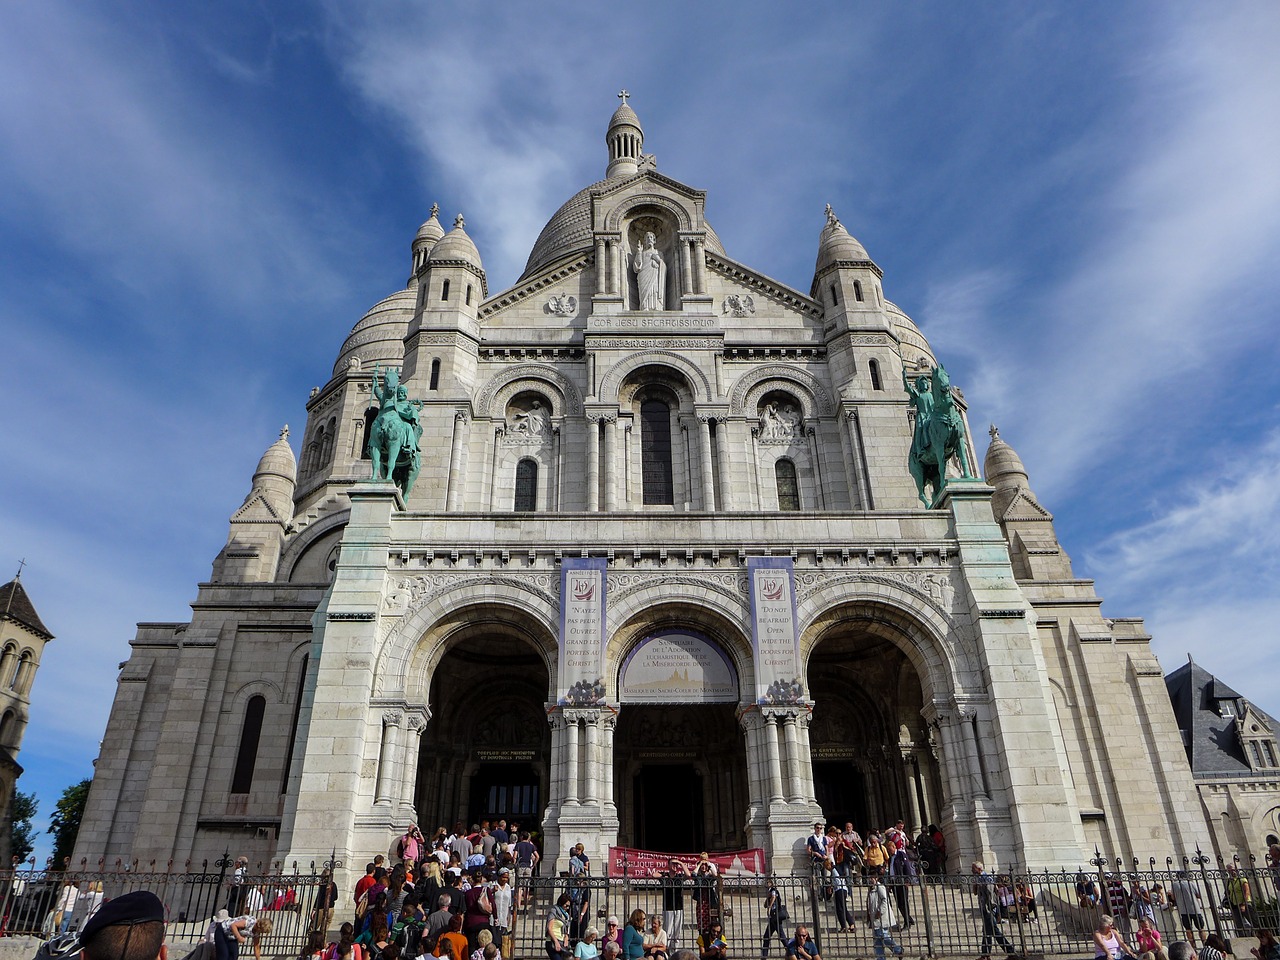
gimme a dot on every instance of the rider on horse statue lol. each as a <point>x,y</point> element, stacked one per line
<point>939,434</point>
<point>393,438</point>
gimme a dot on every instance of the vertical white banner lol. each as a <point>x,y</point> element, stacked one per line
<point>582,633</point>
<point>775,638</point>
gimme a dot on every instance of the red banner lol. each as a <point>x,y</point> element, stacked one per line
<point>650,863</point>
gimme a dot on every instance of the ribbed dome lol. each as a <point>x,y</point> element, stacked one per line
<point>1002,466</point>
<point>278,461</point>
<point>835,243</point>
<point>456,245</point>
<point>568,233</point>
<point>624,114</point>
<point>913,341</point>
<point>379,336</point>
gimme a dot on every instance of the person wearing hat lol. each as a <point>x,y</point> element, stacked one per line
<point>128,927</point>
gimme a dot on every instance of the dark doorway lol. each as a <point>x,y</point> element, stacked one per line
<point>842,793</point>
<point>505,791</point>
<point>668,808</point>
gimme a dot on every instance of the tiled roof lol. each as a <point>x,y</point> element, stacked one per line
<point>1213,747</point>
<point>15,605</point>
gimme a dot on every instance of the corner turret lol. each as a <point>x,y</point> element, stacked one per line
<point>259,526</point>
<point>1034,549</point>
<point>426,238</point>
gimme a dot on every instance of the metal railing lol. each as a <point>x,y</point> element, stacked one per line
<point>36,902</point>
<point>1033,913</point>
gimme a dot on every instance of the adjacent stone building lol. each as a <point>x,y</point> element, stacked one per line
<point>664,580</point>
<point>1231,746</point>
<point>22,639</point>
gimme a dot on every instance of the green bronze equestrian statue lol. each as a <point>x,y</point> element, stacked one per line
<point>939,434</point>
<point>394,436</point>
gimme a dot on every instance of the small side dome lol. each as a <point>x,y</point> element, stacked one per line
<point>456,246</point>
<point>625,138</point>
<point>835,243</point>
<point>1002,466</point>
<point>379,335</point>
<point>278,461</point>
<point>625,116</point>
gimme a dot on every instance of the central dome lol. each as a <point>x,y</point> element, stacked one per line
<point>568,232</point>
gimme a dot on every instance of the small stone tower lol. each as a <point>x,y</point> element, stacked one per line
<point>258,528</point>
<point>22,639</point>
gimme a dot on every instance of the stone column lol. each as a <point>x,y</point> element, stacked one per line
<point>626,463</point>
<point>616,277</point>
<point>967,737</point>
<point>592,777</point>
<point>812,436</point>
<point>498,433</point>
<point>770,734</point>
<point>686,268</point>
<point>855,461</point>
<point>699,267</point>
<point>555,782</point>
<point>722,441</point>
<point>910,773</point>
<point>602,266</point>
<point>409,763</point>
<point>806,756</point>
<point>688,465</point>
<point>610,462</point>
<point>952,764</point>
<point>593,463</point>
<point>708,478</point>
<point>572,777</point>
<point>553,481</point>
<point>795,784</point>
<point>753,451</point>
<point>388,758</point>
<point>457,483</point>
<point>608,723</point>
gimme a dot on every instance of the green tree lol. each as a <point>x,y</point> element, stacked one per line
<point>65,822</point>
<point>23,839</point>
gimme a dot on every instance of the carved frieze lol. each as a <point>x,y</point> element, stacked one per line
<point>738,305</point>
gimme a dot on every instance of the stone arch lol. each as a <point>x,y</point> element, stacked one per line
<point>262,687</point>
<point>709,608</point>
<point>623,211</point>
<point>814,398</point>
<point>612,383</point>
<point>302,542</point>
<point>507,604</point>
<point>501,387</point>
<point>892,612</point>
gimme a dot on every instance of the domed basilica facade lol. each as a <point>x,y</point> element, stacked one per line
<point>663,579</point>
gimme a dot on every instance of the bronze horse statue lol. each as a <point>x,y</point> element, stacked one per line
<point>394,435</point>
<point>939,434</point>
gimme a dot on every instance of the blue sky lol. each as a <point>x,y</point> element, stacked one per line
<point>1079,204</point>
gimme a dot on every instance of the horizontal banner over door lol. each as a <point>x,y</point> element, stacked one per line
<point>630,862</point>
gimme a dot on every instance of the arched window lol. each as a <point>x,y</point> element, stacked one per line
<point>370,415</point>
<point>6,728</point>
<point>655,452</point>
<point>22,673</point>
<point>435,374</point>
<point>835,297</point>
<point>788,490</point>
<point>326,446</point>
<point>857,290</point>
<point>873,367</point>
<point>9,663</point>
<point>526,485</point>
<point>315,449</point>
<point>293,728</point>
<point>468,294</point>
<point>444,290</point>
<point>247,755</point>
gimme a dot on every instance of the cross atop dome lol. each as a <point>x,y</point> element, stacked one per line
<point>622,95</point>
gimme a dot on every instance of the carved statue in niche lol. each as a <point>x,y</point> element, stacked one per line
<point>651,273</point>
<point>528,422</point>
<point>779,422</point>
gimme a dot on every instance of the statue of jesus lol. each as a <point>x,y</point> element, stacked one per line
<point>651,274</point>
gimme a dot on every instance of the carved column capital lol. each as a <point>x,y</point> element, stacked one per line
<point>461,415</point>
<point>392,718</point>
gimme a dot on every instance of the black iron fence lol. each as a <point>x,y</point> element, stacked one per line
<point>1031,913</point>
<point>42,902</point>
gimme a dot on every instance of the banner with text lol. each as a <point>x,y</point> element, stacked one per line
<point>630,862</point>
<point>582,637</point>
<point>775,639</point>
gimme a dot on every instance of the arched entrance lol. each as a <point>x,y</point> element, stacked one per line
<point>484,752</point>
<point>873,761</point>
<point>680,772</point>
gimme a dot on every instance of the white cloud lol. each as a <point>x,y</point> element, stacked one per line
<point>1155,300</point>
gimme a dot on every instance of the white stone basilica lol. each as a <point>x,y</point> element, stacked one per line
<point>664,580</point>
